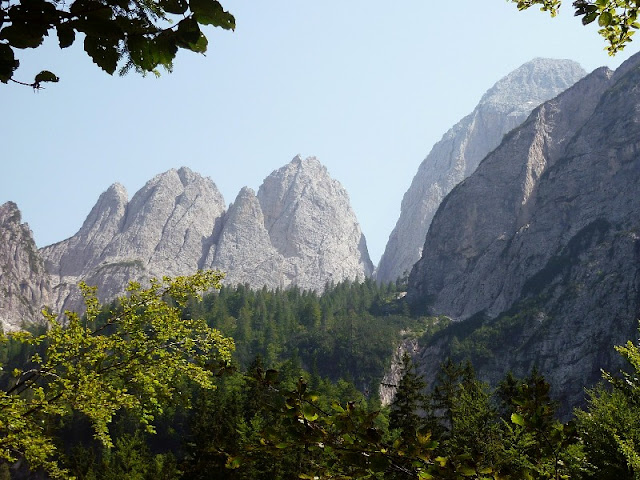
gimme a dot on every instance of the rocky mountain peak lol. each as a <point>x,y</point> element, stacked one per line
<point>298,229</point>
<point>505,106</point>
<point>540,244</point>
<point>535,81</point>
<point>306,212</point>
<point>24,283</point>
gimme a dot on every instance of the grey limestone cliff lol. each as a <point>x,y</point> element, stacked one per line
<point>24,283</point>
<point>505,106</point>
<point>311,224</point>
<point>299,229</point>
<point>161,231</point>
<point>538,251</point>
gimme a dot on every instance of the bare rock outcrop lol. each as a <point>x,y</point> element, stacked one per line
<point>24,283</point>
<point>299,229</point>
<point>539,249</point>
<point>311,224</point>
<point>163,230</point>
<point>505,106</point>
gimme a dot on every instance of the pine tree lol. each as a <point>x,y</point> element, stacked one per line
<point>408,400</point>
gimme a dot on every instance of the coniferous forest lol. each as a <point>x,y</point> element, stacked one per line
<point>296,398</point>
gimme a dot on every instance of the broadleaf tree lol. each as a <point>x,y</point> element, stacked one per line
<point>131,34</point>
<point>617,19</point>
<point>131,357</point>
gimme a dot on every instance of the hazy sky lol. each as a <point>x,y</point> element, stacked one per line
<point>366,86</point>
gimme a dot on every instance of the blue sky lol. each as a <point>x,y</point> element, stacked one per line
<point>366,86</point>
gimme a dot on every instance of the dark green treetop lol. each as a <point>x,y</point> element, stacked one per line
<point>130,34</point>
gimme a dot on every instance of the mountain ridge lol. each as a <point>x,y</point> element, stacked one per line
<point>537,253</point>
<point>502,108</point>
<point>178,223</point>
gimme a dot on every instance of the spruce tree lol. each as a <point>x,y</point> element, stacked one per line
<point>404,415</point>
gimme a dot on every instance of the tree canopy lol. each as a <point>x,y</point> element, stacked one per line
<point>617,18</point>
<point>132,356</point>
<point>130,34</point>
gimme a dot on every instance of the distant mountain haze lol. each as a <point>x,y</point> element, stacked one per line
<point>298,230</point>
<point>522,226</point>
<point>503,107</point>
<point>538,251</point>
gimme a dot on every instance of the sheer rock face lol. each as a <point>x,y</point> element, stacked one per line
<point>505,106</point>
<point>162,231</point>
<point>312,225</point>
<point>243,249</point>
<point>24,283</point>
<point>546,232</point>
<point>299,229</point>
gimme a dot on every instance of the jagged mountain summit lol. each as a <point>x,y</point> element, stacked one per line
<point>23,281</point>
<point>298,230</point>
<point>538,251</point>
<point>161,231</point>
<point>505,106</point>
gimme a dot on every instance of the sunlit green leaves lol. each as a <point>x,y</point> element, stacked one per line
<point>617,18</point>
<point>132,360</point>
<point>518,419</point>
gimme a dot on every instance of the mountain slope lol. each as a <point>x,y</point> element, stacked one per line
<point>299,230</point>
<point>24,282</point>
<point>538,252</point>
<point>505,106</point>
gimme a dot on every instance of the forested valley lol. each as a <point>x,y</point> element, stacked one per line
<point>298,398</point>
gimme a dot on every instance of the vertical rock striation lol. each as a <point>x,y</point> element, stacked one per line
<point>161,231</point>
<point>541,244</point>
<point>24,283</point>
<point>299,229</point>
<point>505,106</point>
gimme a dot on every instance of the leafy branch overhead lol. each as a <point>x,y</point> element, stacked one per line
<point>617,18</point>
<point>138,34</point>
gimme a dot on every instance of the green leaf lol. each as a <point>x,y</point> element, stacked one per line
<point>22,36</point>
<point>188,32</point>
<point>97,26</point>
<point>46,76</point>
<point>467,471</point>
<point>66,35</point>
<point>103,52</point>
<point>518,419</point>
<point>141,52</point>
<point>590,17</point>
<point>605,19</point>
<point>200,46</point>
<point>8,63</point>
<point>309,412</point>
<point>210,12</point>
<point>177,7</point>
